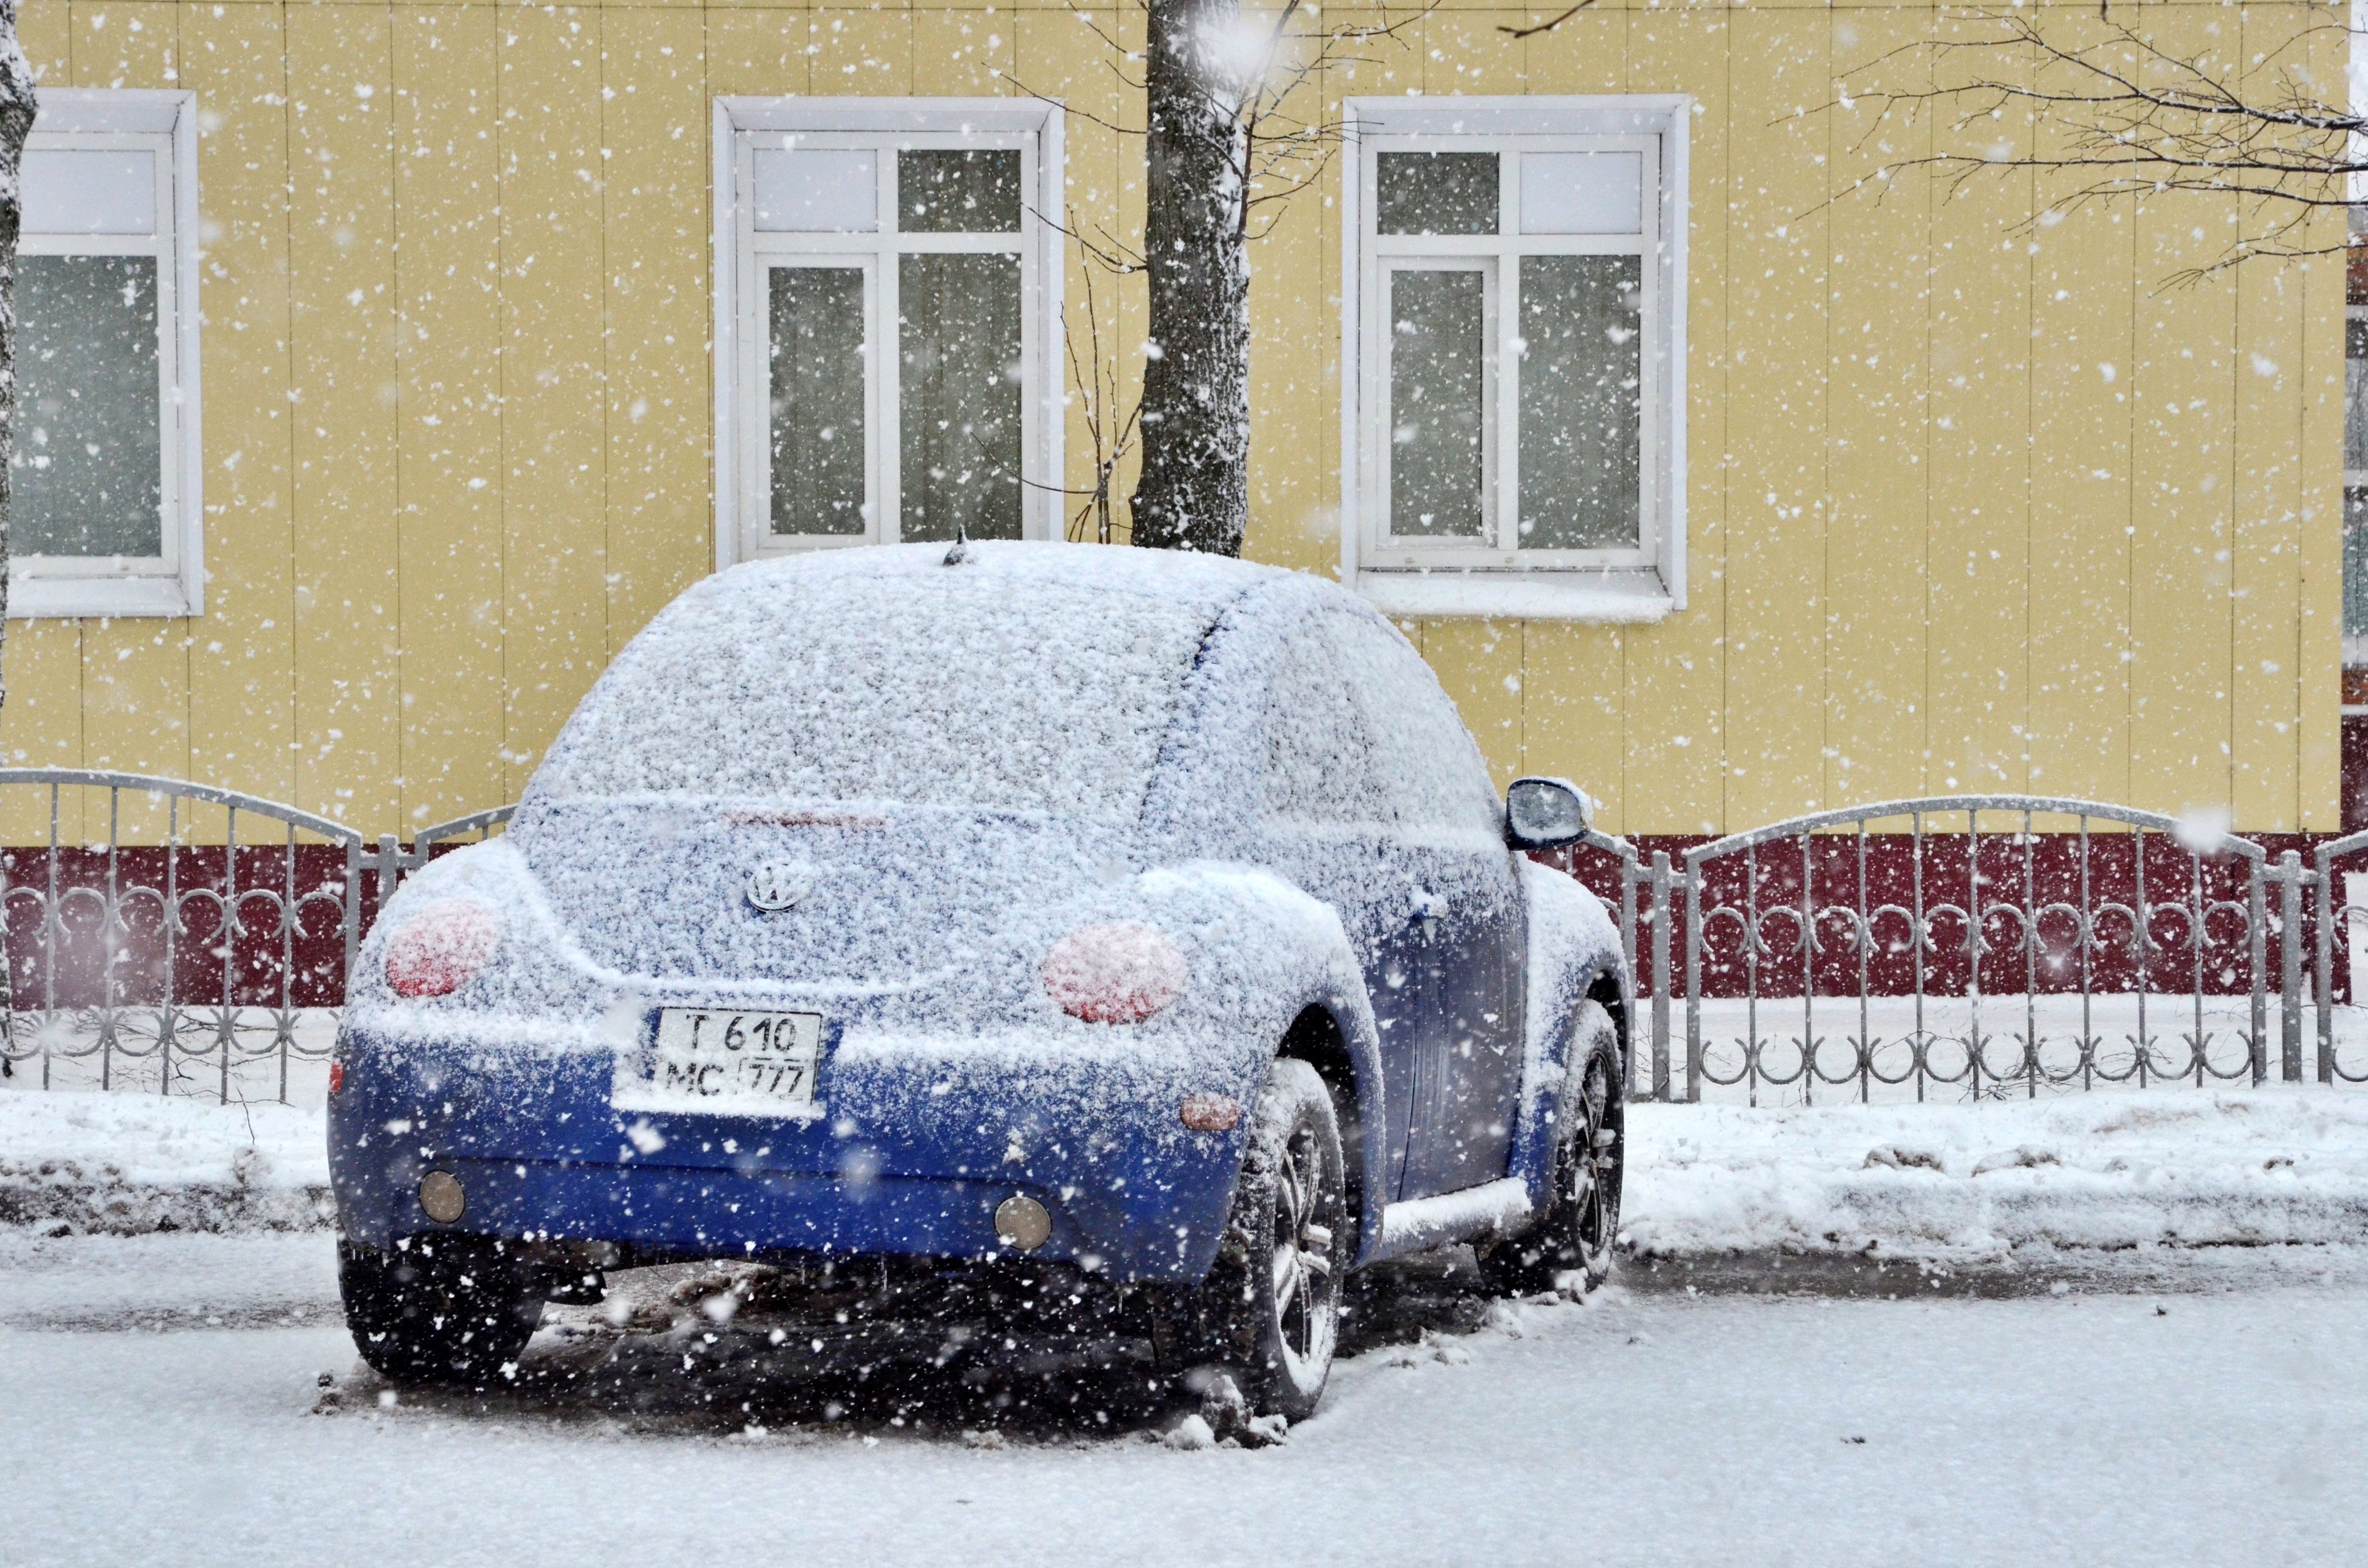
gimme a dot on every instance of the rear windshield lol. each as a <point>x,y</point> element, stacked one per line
<point>894,689</point>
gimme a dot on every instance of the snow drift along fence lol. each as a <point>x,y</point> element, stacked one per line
<point>180,938</point>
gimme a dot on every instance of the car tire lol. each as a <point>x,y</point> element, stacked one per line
<point>1582,1218</point>
<point>449,1310</point>
<point>1273,1298</point>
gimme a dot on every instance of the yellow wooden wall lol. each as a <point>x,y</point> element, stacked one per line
<point>1973,504</point>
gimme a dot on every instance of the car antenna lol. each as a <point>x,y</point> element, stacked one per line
<point>961,552</point>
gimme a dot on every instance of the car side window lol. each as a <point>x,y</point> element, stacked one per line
<point>1319,757</point>
<point>1424,759</point>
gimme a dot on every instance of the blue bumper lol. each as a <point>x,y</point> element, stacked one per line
<point>903,1160</point>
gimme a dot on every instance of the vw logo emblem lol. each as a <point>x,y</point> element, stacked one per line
<point>778,884</point>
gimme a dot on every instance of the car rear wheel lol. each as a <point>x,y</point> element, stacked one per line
<point>1274,1295</point>
<point>447,1309</point>
<point>1582,1218</point>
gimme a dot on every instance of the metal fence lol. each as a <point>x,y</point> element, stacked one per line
<point>176,938</point>
<point>1979,946</point>
<point>179,938</point>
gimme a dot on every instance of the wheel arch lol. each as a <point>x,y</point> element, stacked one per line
<point>1316,1037</point>
<point>1549,1079</point>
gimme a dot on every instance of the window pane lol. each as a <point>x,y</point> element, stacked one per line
<point>815,192</point>
<point>82,191</point>
<point>1438,381</point>
<point>1319,762</point>
<point>2355,394</point>
<point>817,399</point>
<point>1581,381</point>
<point>2355,564</point>
<point>1427,766</point>
<point>960,389</point>
<point>962,191</point>
<point>1435,193</point>
<point>88,468</point>
<point>1583,193</point>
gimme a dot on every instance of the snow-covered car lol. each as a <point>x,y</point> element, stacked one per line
<point>1147,918</point>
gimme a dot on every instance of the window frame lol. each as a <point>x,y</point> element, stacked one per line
<point>744,257</point>
<point>171,583</point>
<point>1415,575</point>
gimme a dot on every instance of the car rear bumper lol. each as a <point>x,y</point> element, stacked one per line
<point>727,1214</point>
<point>895,1167</point>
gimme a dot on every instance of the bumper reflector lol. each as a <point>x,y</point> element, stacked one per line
<point>441,1198</point>
<point>1210,1113</point>
<point>1020,1221</point>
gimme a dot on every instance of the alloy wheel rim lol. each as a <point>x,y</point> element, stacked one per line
<point>1306,1281</point>
<point>1589,1193</point>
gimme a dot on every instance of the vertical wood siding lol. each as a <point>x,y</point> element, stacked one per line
<point>1972,504</point>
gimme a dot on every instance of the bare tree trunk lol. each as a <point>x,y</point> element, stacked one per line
<point>16,120</point>
<point>16,107</point>
<point>1194,489</point>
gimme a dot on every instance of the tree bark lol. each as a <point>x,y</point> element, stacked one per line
<point>16,109</point>
<point>1193,493</point>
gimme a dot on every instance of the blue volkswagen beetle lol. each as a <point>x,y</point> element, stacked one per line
<point>1149,917</point>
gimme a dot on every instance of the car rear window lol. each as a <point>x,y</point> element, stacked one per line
<point>936,691</point>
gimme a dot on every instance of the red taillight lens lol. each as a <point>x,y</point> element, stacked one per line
<point>438,950</point>
<point>337,1077</point>
<point>1120,973</point>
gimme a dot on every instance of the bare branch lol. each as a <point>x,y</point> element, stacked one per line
<point>2126,118</point>
<point>1547,26</point>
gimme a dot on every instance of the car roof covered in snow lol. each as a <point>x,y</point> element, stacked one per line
<point>1022,676</point>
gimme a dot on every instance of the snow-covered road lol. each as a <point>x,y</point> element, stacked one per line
<point>2210,1427</point>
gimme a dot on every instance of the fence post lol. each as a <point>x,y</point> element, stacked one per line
<point>2289,880</point>
<point>1629,876</point>
<point>353,915</point>
<point>2257,922</point>
<point>1660,974</point>
<point>1694,980</point>
<point>2323,942</point>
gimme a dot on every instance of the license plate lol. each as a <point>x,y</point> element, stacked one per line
<point>723,1061</point>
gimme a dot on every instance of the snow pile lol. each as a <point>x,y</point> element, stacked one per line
<point>135,1163</point>
<point>2163,1167</point>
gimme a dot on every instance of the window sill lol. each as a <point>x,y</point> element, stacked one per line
<point>1607,597</point>
<point>60,598</point>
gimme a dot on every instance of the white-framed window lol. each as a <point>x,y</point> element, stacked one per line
<point>1513,332</point>
<point>887,321</point>
<point>105,513</point>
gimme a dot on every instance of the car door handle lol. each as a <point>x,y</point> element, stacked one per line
<point>1423,907</point>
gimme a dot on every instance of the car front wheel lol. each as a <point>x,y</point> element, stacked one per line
<point>1582,1218</point>
<point>1275,1292</point>
<point>445,1308</point>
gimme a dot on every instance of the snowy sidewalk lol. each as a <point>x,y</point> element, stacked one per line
<point>133,1163</point>
<point>2164,1167</point>
<point>1961,1184</point>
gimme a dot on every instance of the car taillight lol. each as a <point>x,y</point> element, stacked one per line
<point>438,950</point>
<point>1120,973</point>
<point>337,1077</point>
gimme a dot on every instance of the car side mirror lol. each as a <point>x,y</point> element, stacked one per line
<point>1547,813</point>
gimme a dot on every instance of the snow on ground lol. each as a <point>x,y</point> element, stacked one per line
<point>1969,1183</point>
<point>179,1279</point>
<point>1959,1182</point>
<point>133,1162</point>
<point>2192,1412</point>
<point>1638,1428</point>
